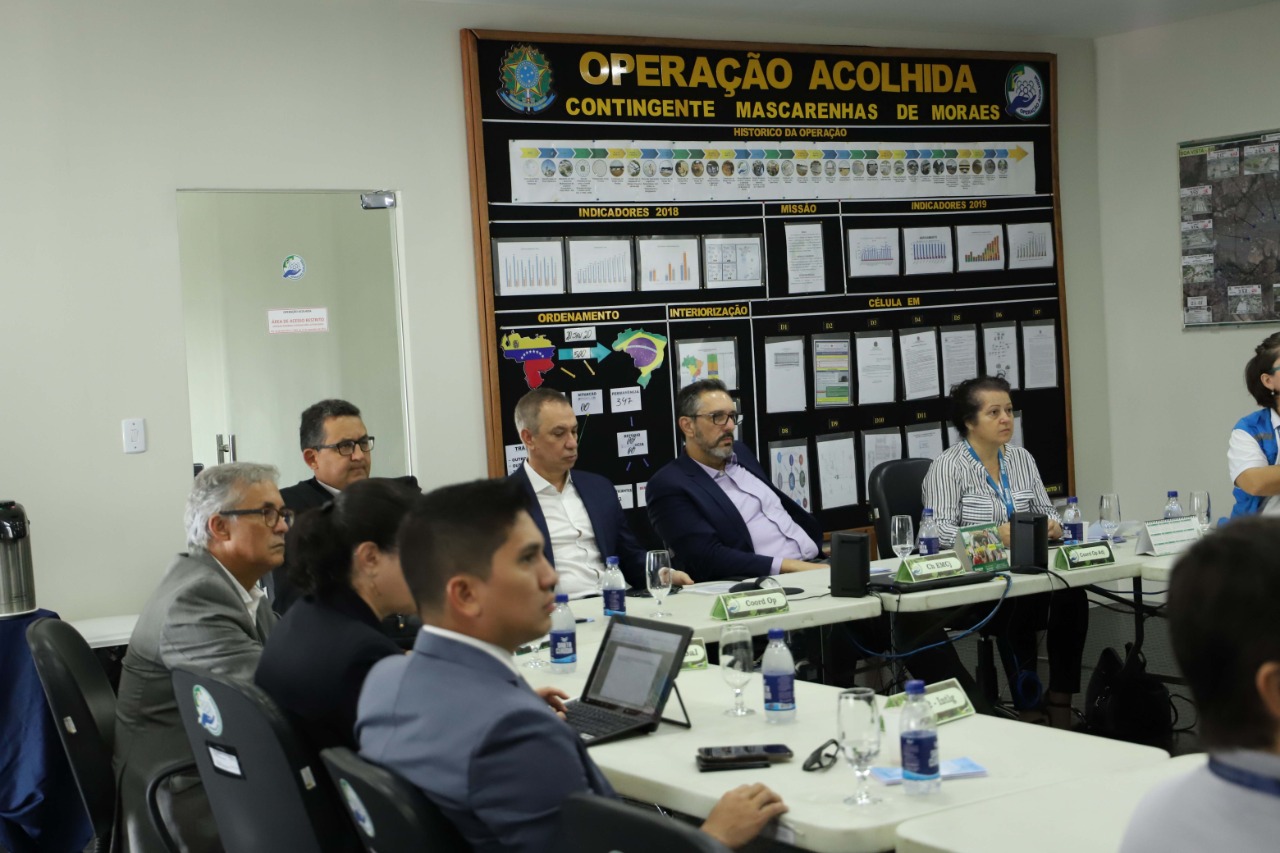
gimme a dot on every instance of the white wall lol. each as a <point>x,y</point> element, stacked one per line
<point>1173,395</point>
<point>110,108</point>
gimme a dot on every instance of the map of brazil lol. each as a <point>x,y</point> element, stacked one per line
<point>646,350</point>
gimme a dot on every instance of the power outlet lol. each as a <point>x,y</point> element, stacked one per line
<point>135,435</point>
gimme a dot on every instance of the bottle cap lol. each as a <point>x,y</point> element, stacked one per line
<point>611,561</point>
<point>915,687</point>
<point>562,598</point>
<point>776,633</point>
<point>1072,500</point>
<point>928,511</point>
<point>1172,494</point>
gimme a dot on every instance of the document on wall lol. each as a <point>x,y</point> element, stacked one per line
<point>784,375</point>
<point>837,470</point>
<point>959,355</point>
<point>805,272</point>
<point>919,363</point>
<point>879,445</point>
<point>924,441</point>
<point>873,251</point>
<point>790,469</point>
<point>1040,353</point>
<point>832,370</point>
<point>1030,245</point>
<point>875,367</point>
<point>529,267</point>
<point>707,358</point>
<point>1000,351</point>
<point>927,250</point>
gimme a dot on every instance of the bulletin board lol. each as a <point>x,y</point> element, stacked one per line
<point>1229,229</point>
<point>838,233</point>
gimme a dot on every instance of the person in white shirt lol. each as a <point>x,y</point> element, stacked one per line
<point>577,512</point>
<point>1251,453</point>
<point>1224,598</point>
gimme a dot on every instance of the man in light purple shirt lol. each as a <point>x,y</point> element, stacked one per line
<point>714,506</point>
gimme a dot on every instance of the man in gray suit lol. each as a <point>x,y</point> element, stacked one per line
<point>455,718</point>
<point>209,613</point>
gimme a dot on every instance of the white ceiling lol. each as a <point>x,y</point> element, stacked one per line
<point>1067,18</point>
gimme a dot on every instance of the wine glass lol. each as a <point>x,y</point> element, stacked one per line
<point>858,717</point>
<point>657,577</point>
<point>1109,516</point>
<point>737,660</point>
<point>901,535</point>
<point>1201,510</point>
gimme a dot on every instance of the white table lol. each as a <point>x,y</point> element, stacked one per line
<point>104,631</point>
<point>660,767</point>
<point>1088,814</point>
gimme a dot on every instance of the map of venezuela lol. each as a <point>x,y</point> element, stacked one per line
<point>646,350</point>
<point>534,354</point>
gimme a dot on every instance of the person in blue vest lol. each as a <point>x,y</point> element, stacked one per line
<point>1251,453</point>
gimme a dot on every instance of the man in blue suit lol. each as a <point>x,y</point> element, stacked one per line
<point>714,505</point>
<point>455,718</point>
<point>577,512</point>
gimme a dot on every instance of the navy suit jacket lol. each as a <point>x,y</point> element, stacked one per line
<point>608,522</point>
<point>703,529</point>
<point>480,744</point>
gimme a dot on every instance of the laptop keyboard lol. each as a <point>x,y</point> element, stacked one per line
<point>594,722</point>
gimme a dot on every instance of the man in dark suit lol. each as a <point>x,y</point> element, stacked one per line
<point>208,613</point>
<point>338,448</point>
<point>714,505</point>
<point>503,765</point>
<point>577,512</point>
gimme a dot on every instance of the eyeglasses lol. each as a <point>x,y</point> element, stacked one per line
<point>346,448</point>
<point>719,418</point>
<point>270,515</point>
<point>822,757</point>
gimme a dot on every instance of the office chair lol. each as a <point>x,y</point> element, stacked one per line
<point>590,823</point>
<point>390,813</point>
<point>258,775</point>
<point>84,708</point>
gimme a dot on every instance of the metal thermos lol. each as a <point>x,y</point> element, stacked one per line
<point>17,583</point>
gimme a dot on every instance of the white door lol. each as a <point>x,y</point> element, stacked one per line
<point>290,298</point>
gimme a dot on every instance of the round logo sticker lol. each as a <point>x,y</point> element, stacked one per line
<point>356,807</point>
<point>294,267</point>
<point>207,713</point>
<point>1024,90</point>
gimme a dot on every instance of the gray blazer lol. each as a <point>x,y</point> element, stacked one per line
<point>195,618</point>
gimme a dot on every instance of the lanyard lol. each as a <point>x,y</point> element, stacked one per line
<point>1005,493</point>
<point>1246,778</point>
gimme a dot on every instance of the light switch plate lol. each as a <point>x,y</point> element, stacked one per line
<point>135,435</point>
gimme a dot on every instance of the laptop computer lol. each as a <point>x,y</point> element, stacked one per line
<point>630,679</point>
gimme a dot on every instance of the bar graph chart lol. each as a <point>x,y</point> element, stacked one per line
<point>600,265</point>
<point>928,250</point>
<point>1030,245</point>
<point>669,263</point>
<point>980,247</point>
<point>873,251</point>
<point>529,267</point>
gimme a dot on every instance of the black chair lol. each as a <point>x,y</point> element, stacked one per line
<point>390,813</point>
<point>593,824</point>
<point>258,775</point>
<point>894,488</point>
<point>84,709</point>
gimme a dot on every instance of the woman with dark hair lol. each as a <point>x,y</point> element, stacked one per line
<point>985,480</point>
<point>343,556</point>
<point>1251,454</point>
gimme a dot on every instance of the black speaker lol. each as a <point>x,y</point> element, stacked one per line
<point>850,564</point>
<point>1029,541</point>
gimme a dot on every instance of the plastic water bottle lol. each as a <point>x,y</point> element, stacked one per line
<point>564,636</point>
<point>779,680</point>
<point>1173,509</point>
<point>919,737</point>
<point>1072,523</point>
<point>615,589</point>
<point>928,534</point>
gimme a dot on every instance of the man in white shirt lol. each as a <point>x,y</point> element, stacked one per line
<point>208,612</point>
<point>577,512</point>
<point>1223,604</point>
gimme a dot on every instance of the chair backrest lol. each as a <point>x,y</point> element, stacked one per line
<point>390,813</point>
<point>84,711</point>
<point>593,824</point>
<point>259,776</point>
<point>894,489</point>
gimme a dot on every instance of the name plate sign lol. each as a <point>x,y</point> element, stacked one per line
<point>1167,536</point>
<point>752,602</point>
<point>947,698</point>
<point>926,568</point>
<point>1084,555</point>
<point>695,656</point>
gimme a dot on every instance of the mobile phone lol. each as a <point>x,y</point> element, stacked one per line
<point>709,766</point>
<point>736,755</point>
